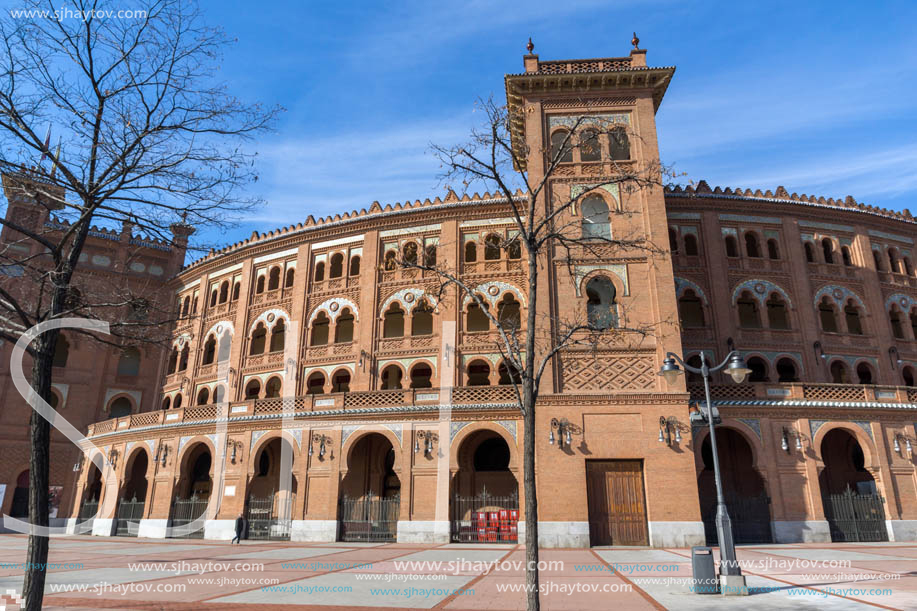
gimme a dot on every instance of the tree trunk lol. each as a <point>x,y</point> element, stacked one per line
<point>531,501</point>
<point>33,584</point>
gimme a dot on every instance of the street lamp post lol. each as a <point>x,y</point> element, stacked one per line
<point>732,582</point>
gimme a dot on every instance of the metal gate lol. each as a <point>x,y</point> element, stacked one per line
<point>485,518</point>
<point>129,515</point>
<point>185,511</point>
<point>88,510</point>
<point>750,517</point>
<point>369,518</point>
<point>269,519</point>
<point>856,517</point>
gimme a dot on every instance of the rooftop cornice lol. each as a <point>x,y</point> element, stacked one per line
<point>781,196</point>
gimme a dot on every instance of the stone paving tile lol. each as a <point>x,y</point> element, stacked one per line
<point>640,556</point>
<point>834,554</point>
<point>282,553</point>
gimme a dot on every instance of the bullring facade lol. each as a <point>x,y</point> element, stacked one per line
<point>401,421</point>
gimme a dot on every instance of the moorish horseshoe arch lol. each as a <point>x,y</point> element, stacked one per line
<point>408,298</point>
<point>362,433</point>
<point>333,308</point>
<point>492,292</point>
<point>839,296</point>
<point>269,321</point>
<point>761,290</point>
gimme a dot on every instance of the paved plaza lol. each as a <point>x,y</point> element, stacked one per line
<point>123,573</point>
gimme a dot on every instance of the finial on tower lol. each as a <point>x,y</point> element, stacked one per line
<point>530,46</point>
<point>635,41</point>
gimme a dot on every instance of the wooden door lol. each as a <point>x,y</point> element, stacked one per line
<point>617,504</point>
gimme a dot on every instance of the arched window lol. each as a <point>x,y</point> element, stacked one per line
<point>478,373</point>
<point>422,319</point>
<point>219,394</point>
<point>343,329</point>
<point>183,359</point>
<point>777,315</point>
<point>690,376</point>
<point>236,289</point>
<point>864,374</point>
<point>907,374</point>
<point>893,261</point>
<point>514,249</point>
<point>773,251</point>
<point>732,247</point>
<point>410,253</point>
<point>129,362</point>
<point>173,361</point>
<point>429,255</point>
<point>786,370</point>
<point>272,388</point>
<point>278,336</point>
<point>315,385</point>
<point>61,352</point>
<point>391,378</point>
<point>186,305</point>
<point>120,408</point>
<point>748,311</point>
<point>336,269</point>
<point>225,346</point>
<point>390,263</point>
<point>259,338</point>
<point>210,350</point>
<point>355,266</point>
<point>896,319</point>
<point>827,247</point>
<point>908,268</point>
<point>194,305</point>
<point>845,256</point>
<point>751,245</point>
<point>810,252</point>
<point>319,274</point>
<point>341,381</point>
<point>320,327</point>
<point>203,396</point>
<point>291,277</point>
<point>393,323</point>
<point>673,240</point>
<point>852,316</point>
<point>690,245</point>
<point>492,247</point>
<point>595,218</point>
<point>253,389</point>
<point>839,374</point>
<point>619,144</point>
<point>224,291</point>
<point>877,259</point>
<point>691,310</point>
<point>259,285</point>
<point>508,374</point>
<point>273,282</point>
<point>477,319</point>
<point>601,310</point>
<point>561,151</point>
<point>213,297</point>
<point>471,252</point>
<point>758,368</point>
<point>166,403</point>
<point>590,148</point>
<point>914,322</point>
<point>827,315</point>
<point>508,312</point>
<point>421,376</point>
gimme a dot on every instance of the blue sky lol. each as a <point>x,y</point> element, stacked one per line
<point>817,96</point>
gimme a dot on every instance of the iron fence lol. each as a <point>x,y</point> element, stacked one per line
<point>485,518</point>
<point>856,517</point>
<point>369,518</point>
<point>128,517</point>
<point>185,511</point>
<point>269,518</point>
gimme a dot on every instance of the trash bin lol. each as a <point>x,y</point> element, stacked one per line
<point>704,574</point>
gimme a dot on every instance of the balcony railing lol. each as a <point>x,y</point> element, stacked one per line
<point>356,402</point>
<point>776,391</point>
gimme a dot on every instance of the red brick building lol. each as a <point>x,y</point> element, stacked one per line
<point>402,423</point>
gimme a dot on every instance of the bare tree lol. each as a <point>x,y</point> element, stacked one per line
<point>146,137</point>
<point>546,229</point>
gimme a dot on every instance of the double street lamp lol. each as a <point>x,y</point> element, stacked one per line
<point>731,579</point>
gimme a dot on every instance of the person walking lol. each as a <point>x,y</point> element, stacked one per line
<point>240,528</point>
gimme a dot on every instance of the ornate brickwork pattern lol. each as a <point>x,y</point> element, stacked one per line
<point>608,372</point>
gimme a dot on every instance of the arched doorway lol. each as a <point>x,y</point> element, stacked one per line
<point>853,507</point>
<point>89,504</point>
<point>193,488</point>
<point>20,505</point>
<point>268,507</point>
<point>485,493</point>
<point>370,501</point>
<point>133,496</point>
<point>743,489</point>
